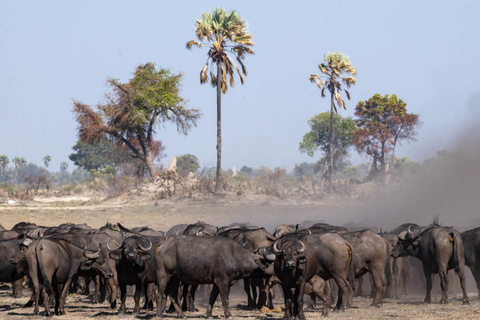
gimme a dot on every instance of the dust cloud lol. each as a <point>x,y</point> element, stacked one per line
<point>447,186</point>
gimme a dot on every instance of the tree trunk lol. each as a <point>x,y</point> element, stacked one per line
<point>149,163</point>
<point>219,129</point>
<point>148,158</point>
<point>330,169</point>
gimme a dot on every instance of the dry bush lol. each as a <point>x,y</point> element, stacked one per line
<point>206,186</point>
<point>272,183</point>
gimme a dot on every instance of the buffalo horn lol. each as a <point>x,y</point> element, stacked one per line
<point>275,248</point>
<point>109,247</point>
<point>149,246</point>
<point>302,248</point>
<point>409,230</point>
<point>90,254</point>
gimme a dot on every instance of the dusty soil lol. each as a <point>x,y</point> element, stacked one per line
<point>410,307</point>
<point>162,214</point>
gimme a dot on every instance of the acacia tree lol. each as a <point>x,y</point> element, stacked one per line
<point>332,69</point>
<point>318,138</point>
<point>382,122</point>
<point>187,163</point>
<point>224,34</point>
<point>134,110</point>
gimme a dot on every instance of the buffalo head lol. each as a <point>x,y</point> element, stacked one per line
<point>290,254</point>
<point>407,244</point>
<point>96,260</point>
<point>133,249</point>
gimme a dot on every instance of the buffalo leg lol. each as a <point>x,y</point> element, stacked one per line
<point>345,292</point>
<point>428,278</point>
<point>461,276</point>
<point>287,293</point>
<point>123,297</point>
<point>444,281</point>
<point>246,287</point>
<point>213,297</point>
<point>224,296</point>
<point>17,286</point>
<point>319,287</point>
<point>379,283</point>
<point>111,287</point>
<point>162,285</point>
<point>136,297</point>
<point>63,297</point>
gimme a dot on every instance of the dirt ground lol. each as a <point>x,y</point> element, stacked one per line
<point>163,214</point>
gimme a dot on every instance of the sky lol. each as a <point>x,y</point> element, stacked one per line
<point>51,52</point>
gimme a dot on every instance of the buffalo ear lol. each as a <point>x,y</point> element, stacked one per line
<point>416,241</point>
<point>142,257</point>
<point>115,255</point>
<point>302,259</point>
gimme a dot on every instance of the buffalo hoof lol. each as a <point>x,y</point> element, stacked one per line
<point>466,302</point>
<point>113,305</point>
<point>378,305</point>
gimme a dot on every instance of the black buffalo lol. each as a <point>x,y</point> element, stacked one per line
<point>371,253</point>
<point>471,242</point>
<point>295,265</point>
<point>53,263</point>
<point>440,249</point>
<point>252,238</point>
<point>9,272</point>
<point>135,266</point>
<point>203,260</point>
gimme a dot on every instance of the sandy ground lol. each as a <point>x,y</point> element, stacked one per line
<point>410,307</point>
<point>163,214</point>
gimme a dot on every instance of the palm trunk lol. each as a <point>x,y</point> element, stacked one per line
<point>219,129</point>
<point>330,171</point>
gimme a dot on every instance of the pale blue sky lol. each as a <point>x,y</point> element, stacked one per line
<point>426,52</point>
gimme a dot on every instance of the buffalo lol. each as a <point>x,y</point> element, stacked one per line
<point>440,249</point>
<point>295,265</point>
<point>203,260</point>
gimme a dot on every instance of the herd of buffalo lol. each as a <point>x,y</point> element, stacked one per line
<point>323,261</point>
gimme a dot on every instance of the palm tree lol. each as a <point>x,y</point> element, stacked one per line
<point>224,33</point>
<point>336,64</point>
<point>46,160</point>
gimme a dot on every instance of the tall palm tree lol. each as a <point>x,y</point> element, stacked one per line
<point>332,69</point>
<point>225,34</point>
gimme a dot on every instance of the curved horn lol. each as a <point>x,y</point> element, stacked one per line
<point>108,245</point>
<point>409,230</point>
<point>199,232</point>
<point>90,254</point>
<point>275,248</point>
<point>302,248</point>
<point>149,246</point>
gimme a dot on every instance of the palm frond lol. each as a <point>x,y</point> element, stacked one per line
<point>239,75</point>
<point>320,84</point>
<point>203,74</point>
<point>192,43</point>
